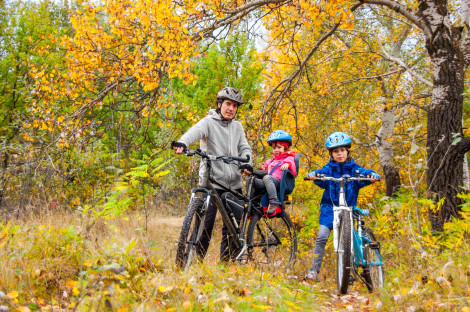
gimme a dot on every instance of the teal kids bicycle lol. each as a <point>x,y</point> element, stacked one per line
<point>355,245</point>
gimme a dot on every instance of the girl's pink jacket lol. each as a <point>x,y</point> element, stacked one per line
<point>280,159</point>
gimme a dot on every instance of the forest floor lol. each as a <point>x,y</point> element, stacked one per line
<point>264,288</point>
<point>61,262</point>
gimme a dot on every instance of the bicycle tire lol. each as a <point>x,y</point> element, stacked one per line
<point>343,256</point>
<point>190,233</point>
<point>373,274</point>
<point>272,241</point>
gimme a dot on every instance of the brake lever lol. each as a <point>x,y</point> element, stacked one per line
<point>189,152</point>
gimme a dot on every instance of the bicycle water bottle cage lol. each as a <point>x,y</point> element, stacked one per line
<point>363,212</point>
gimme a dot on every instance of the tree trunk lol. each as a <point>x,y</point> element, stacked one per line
<point>444,177</point>
<point>385,149</point>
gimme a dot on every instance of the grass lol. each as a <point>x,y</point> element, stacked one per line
<point>53,262</point>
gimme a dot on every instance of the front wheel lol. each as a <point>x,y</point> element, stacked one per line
<point>191,231</point>
<point>343,269</point>
<point>373,273</point>
<point>272,241</point>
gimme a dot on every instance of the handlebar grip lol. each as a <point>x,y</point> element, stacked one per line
<point>307,179</point>
<point>245,160</point>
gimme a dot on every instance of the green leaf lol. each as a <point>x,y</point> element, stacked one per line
<point>140,174</point>
<point>162,173</point>
<point>141,168</point>
<point>130,246</point>
<point>414,148</point>
<point>156,161</point>
<point>457,140</point>
<point>162,165</point>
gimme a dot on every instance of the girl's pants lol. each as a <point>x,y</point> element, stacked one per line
<point>272,185</point>
<point>319,250</point>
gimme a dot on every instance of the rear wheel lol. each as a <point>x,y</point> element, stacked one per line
<point>343,269</point>
<point>191,231</point>
<point>373,273</point>
<point>272,241</point>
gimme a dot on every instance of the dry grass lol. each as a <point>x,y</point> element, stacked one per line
<point>53,261</point>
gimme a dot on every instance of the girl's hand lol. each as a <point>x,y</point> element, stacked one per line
<point>285,166</point>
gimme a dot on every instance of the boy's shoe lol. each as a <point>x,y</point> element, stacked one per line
<point>272,208</point>
<point>312,275</point>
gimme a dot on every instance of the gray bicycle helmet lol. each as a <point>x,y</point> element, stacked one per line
<point>229,93</point>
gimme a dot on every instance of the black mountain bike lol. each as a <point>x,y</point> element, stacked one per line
<point>252,236</point>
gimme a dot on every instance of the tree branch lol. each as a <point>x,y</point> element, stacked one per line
<point>404,11</point>
<point>408,69</point>
<point>307,58</point>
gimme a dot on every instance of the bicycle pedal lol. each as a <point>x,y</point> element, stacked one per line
<point>374,245</point>
<point>351,280</point>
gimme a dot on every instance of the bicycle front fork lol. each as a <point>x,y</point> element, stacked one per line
<point>336,222</point>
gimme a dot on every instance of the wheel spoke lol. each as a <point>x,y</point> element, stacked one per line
<point>272,241</point>
<point>373,273</point>
<point>191,232</point>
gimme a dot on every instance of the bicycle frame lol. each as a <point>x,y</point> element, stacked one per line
<point>237,232</point>
<point>342,206</point>
<point>358,241</point>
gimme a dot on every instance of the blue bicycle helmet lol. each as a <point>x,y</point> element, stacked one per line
<point>279,136</point>
<point>338,139</point>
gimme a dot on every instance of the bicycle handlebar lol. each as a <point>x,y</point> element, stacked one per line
<point>345,178</point>
<point>225,159</point>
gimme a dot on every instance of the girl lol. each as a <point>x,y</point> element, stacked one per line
<point>283,159</point>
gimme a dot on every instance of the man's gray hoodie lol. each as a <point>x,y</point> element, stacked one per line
<point>219,138</point>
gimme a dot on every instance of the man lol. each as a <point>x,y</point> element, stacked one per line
<point>220,135</point>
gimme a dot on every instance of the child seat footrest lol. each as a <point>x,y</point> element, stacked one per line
<point>279,210</point>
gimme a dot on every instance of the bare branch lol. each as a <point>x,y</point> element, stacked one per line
<point>237,14</point>
<point>403,10</point>
<point>408,69</point>
<point>100,96</point>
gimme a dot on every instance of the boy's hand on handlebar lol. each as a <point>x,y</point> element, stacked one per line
<point>246,169</point>
<point>374,177</point>
<point>312,175</point>
<point>178,147</point>
<point>285,166</point>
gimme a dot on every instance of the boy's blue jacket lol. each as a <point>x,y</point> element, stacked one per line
<point>331,193</point>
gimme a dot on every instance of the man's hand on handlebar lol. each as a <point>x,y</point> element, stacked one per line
<point>246,169</point>
<point>178,147</point>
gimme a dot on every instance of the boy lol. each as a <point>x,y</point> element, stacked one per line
<point>341,163</point>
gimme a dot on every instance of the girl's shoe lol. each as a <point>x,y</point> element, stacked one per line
<point>271,209</point>
<point>312,275</point>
